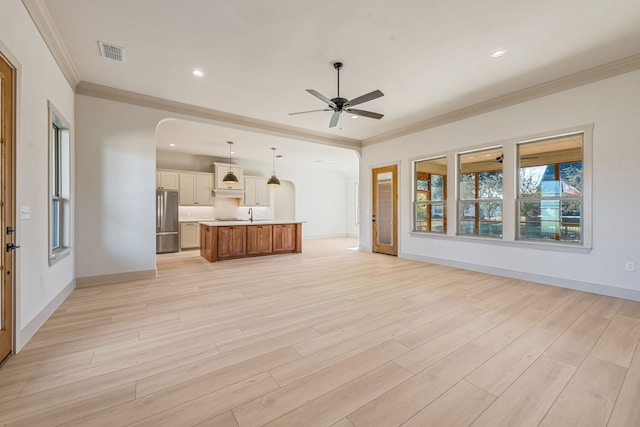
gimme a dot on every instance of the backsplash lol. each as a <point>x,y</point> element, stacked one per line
<point>224,208</point>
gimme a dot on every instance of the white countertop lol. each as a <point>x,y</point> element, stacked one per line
<point>247,222</point>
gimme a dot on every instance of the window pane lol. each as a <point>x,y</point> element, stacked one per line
<point>468,186</point>
<point>481,218</point>
<point>571,178</point>
<point>437,187</point>
<point>490,185</point>
<point>437,218</point>
<point>555,220</point>
<point>421,217</point>
<point>55,223</point>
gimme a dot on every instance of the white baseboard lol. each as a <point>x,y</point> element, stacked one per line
<point>595,288</point>
<point>324,236</point>
<point>102,279</point>
<point>23,336</point>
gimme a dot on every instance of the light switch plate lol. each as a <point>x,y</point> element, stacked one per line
<point>25,212</point>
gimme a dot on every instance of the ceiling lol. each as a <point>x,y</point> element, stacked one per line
<point>429,57</point>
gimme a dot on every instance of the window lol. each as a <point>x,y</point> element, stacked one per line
<point>480,191</point>
<point>59,186</point>
<point>550,189</point>
<point>430,195</point>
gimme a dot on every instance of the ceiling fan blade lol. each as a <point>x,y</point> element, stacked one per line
<point>369,114</point>
<point>322,98</point>
<point>334,119</point>
<point>364,98</point>
<point>310,111</point>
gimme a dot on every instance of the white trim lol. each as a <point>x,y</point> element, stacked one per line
<point>43,22</point>
<point>218,117</point>
<point>601,72</point>
<point>596,288</point>
<point>103,279</point>
<point>23,336</point>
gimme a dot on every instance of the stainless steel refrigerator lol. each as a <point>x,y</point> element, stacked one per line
<point>167,236</point>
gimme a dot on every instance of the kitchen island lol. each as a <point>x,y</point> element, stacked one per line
<point>220,240</point>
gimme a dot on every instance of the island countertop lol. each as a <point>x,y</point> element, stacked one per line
<point>248,222</point>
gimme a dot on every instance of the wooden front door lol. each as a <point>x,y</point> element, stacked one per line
<point>384,218</point>
<point>6,208</point>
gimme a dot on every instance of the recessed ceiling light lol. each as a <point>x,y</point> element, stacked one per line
<point>198,73</point>
<point>330,161</point>
<point>172,145</point>
<point>498,53</point>
<point>354,117</point>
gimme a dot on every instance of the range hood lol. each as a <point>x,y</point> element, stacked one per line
<point>228,193</point>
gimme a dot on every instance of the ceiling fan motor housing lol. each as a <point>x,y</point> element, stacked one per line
<point>340,103</point>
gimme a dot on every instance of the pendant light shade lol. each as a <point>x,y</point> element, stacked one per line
<point>274,181</point>
<point>230,177</point>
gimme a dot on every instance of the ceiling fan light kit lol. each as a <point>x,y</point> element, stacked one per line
<point>339,104</point>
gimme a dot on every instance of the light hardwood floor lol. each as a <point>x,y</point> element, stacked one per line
<point>329,337</point>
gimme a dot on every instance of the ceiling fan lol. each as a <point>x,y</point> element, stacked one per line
<point>338,104</point>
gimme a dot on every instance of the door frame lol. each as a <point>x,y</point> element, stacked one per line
<point>7,208</point>
<point>392,249</point>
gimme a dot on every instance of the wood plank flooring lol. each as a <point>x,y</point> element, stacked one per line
<point>329,337</point>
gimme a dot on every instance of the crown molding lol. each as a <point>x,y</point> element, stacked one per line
<point>43,22</point>
<point>601,72</point>
<point>218,117</point>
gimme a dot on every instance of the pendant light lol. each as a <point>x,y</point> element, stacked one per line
<point>274,181</point>
<point>230,177</point>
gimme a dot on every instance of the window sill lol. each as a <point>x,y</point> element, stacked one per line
<point>59,255</point>
<point>558,247</point>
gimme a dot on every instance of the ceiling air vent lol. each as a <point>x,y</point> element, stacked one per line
<point>110,51</point>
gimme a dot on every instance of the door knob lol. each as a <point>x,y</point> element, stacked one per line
<point>11,247</point>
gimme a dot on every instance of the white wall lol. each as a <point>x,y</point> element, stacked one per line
<point>116,163</point>
<point>613,107</point>
<point>39,288</point>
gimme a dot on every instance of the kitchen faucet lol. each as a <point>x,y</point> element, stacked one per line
<point>251,214</point>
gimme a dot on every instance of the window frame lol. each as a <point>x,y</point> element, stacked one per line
<point>429,203</point>
<point>557,175</point>
<point>510,211</point>
<point>59,186</point>
<point>478,200</point>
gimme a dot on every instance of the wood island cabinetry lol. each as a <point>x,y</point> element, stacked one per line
<point>224,241</point>
<point>232,242</point>
<point>259,239</point>
<point>208,243</point>
<point>284,238</point>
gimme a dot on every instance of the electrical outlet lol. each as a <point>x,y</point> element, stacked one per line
<point>630,266</point>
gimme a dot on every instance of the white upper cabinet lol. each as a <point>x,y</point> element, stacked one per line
<point>195,188</point>
<point>256,191</point>
<point>167,180</point>
<point>221,169</point>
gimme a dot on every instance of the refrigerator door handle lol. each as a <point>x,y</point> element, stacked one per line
<point>157,212</point>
